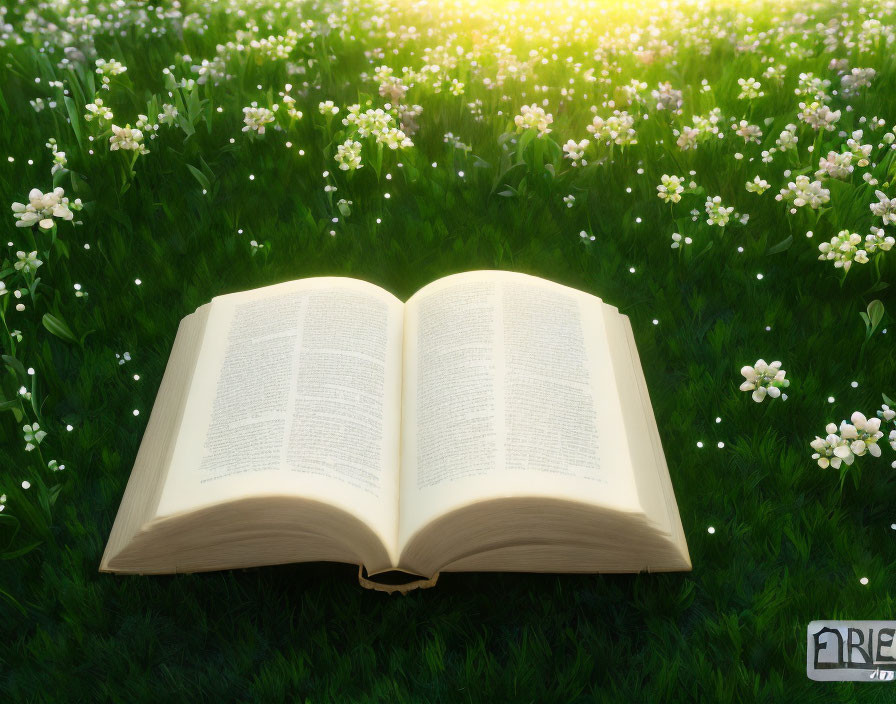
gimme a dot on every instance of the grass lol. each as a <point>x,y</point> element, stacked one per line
<point>790,543</point>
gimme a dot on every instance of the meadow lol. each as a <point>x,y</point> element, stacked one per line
<point>723,173</point>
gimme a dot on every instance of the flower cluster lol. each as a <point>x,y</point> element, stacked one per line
<point>885,208</point>
<point>43,207</point>
<point>847,247</point>
<point>575,151</point>
<point>835,165</point>
<point>842,445</point>
<point>671,188</point>
<point>802,192</point>
<point>764,380</point>
<point>255,118</point>
<point>127,138</point>
<point>533,117</point>
<point>348,155</point>
<point>616,129</point>
<point>717,214</point>
<point>749,88</point>
<point>96,110</point>
<point>818,116</point>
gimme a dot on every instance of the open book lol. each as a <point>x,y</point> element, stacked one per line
<point>493,422</point>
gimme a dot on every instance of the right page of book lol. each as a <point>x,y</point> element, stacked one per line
<point>508,390</point>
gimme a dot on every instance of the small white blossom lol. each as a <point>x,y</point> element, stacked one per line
<point>818,116</point>
<point>802,192</point>
<point>33,436</point>
<point>97,110</point>
<point>327,108</point>
<point>757,185</point>
<point>716,212</point>
<point>616,129</point>
<point>885,208</point>
<point>27,263</point>
<point>533,117</point>
<point>256,118</point>
<point>787,140</point>
<point>43,207</point>
<point>750,133</point>
<point>764,380</point>
<point>835,165</point>
<point>749,88</point>
<point>575,151</point>
<point>670,188</point>
<point>127,139</point>
<point>348,155</point>
<point>168,114</point>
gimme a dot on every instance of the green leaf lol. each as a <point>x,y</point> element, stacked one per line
<point>59,328</point>
<point>888,400</point>
<point>782,246</point>
<point>876,314</point>
<point>199,176</point>
<point>75,118</point>
<point>15,365</point>
<point>12,554</point>
<point>523,142</point>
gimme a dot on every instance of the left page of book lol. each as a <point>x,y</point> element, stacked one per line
<point>297,392</point>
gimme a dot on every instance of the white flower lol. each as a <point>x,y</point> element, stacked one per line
<point>764,380</point>
<point>750,133</point>
<point>818,116</point>
<point>616,129</point>
<point>127,139</point>
<point>168,114</point>
<point>110,67</point>
<point>831,450</point>
<point>757,185</point>
<point>856,438</point>
<point>671,188</point>
<point>575,151</point>
<point>666,97</point>
<point>749,88</point>
<point>843,249</point>
<point>256,118</point>
<point>27,262</point>
<point>533,117</point>
<point>804,192</point>
<point>43,207</point>
<point>886,413</point>
<point>885,208</point>
<point>327,108</point>
<point>97,110</point>
<point>835,165</point>
<point>570,200</point>
<point>55,466</point>
<point>878,240</point>
<point>393,138</point>
<point>33,436</point>
<point>716,212</point>
<point>348,155</point>
<point>857,78</point>
<point>787,140</point>
<point>677,239</point>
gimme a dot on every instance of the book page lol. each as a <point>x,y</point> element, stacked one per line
<point>509,390</point>
<point>297,391</point>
